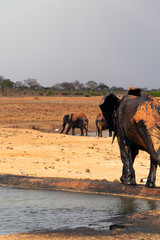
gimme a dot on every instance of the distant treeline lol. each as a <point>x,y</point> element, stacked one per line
<point>90,88</point>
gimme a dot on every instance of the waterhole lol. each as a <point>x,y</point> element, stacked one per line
<point>31,210</point>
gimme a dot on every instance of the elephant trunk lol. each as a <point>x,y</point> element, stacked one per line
<point>64,124</point>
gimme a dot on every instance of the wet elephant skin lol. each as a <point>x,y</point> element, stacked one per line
<point>135,121</point>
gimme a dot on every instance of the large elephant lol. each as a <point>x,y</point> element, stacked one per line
<point>101,124</point>
<point>135,121</point>
<point>75,121</point>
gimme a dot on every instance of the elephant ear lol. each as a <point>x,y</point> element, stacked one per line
<point>108,106</point>
<point>66,117</point>
<point>134,91</point>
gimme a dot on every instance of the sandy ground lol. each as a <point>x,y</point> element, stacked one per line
<point>57,155</point>
<point>46,153</point>
<point>28,142</point>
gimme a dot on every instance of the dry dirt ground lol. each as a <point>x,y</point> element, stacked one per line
<point>46,113</point>
<point>28,142</point>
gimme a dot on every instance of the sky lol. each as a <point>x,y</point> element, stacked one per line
<point>116,42</point>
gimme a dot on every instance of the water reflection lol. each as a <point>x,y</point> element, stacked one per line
<point>134,204</point>
<point>26,210</point>
<point>105,133</point>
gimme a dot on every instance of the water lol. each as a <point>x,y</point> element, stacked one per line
<point>105,133</point>
<point>29,210</point>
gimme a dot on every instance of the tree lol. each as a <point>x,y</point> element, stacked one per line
<point>68,86</point>
<point>5,83</point>
<point>1,80</point>
<point>102,87</point>
<point>91,84</point>
<point>145,89</point>
<point>20,84</point>
<point>32,83</point>
<point>117,89</point>
<point>78,85</point>
<point>57,86</point>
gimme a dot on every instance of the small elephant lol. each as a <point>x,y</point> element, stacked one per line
<point>135,120</point>
<point>101,124</point>
<point>75,121</point>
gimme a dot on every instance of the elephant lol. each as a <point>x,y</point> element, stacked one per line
<point>75,121</point>
<point>135,121</point>
<point>101,124</point>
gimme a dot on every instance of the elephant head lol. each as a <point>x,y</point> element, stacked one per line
<point>66,120</point>
<point>109,106</point>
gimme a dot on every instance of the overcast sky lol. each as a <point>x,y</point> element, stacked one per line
<point>116,42</point>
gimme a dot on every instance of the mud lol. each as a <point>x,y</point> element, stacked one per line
<point>80,185</point>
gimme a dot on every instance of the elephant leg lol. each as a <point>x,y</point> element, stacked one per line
<point>82,132</point>
<point>128,173</point>
<point>73,132</point>
<point>98,132</point>
<point>68,129</point>
<point>134,152</point>
<point>110,133</point>
<point>152,174</point>
<point>64,124</point>
<point>127,156</point>
<point>86,131</point>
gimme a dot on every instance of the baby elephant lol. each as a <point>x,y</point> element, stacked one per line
<point>75,121</point>
<point>101,124</point>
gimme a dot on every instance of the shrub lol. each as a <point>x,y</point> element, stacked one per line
<point>94,94</point>
<point>154,93</point>
<point>66,93</point>
<point>78,93</point>
<point>49,93</point>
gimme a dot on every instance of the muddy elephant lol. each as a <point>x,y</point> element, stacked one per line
<point>75,121</point>
<point>101,124</point>
<point>135,121</point>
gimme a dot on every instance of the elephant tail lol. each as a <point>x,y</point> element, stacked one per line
<point>114,135</point>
